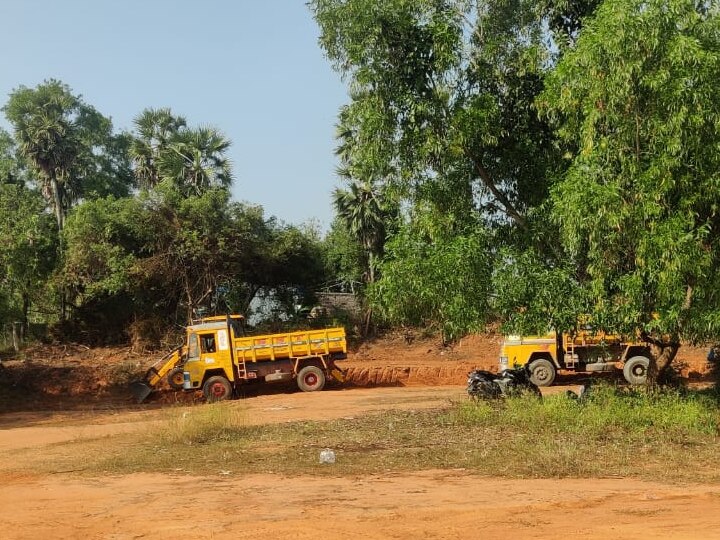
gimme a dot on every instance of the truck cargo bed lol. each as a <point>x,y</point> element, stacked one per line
<point>290,345</point>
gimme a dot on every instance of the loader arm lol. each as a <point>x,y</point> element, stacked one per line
<point>142,389</point>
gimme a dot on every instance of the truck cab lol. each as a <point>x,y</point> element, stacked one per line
<point>208,353</point>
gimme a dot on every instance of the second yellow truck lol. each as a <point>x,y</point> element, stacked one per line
<point>582,350</point>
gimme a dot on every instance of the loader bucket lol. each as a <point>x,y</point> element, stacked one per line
<point>140,390</point>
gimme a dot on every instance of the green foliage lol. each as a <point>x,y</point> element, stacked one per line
<point>65,141</point>
<point>442,281</point>
<point>166,253</point>
<point>566,17</point>
<point>442,101</point>
<point>28,247</point>
<point>165,149</point>
<point>637,98</point>
<point>177,248</point>
<point>534,297</point>
<point>442,122</point>
<point>103,239</point>
<point>10,167</point>
<point>368,216</point>
<point>342,255</point>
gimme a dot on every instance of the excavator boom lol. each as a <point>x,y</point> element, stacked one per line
<point>142,389</point>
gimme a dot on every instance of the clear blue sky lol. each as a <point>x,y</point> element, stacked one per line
<point>251,68</point>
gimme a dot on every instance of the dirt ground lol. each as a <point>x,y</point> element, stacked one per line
<point>392,374</point>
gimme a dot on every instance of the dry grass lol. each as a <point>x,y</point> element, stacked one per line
<point>667,437</point>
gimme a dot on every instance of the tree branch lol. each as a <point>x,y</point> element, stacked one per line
<point>510,210</point>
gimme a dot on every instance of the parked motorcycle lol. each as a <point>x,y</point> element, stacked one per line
<point>483,384</point>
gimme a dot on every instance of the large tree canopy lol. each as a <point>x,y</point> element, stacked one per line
<point>443,100</point>
<point>442,118</point>
<point>177,247</point>
<point>69,146</point>
<point>636,103</point>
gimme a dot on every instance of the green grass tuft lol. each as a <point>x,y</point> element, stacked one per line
<point>605,411</point>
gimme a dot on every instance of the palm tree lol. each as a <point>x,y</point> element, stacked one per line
<point>361,208</point>
<point>364,205</point>
<point>195,160</point>
<point>155,128</point>
<point>46,129</point>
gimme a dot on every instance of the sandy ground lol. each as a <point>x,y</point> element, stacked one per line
<point>445,504</point>
<point>427,504</point>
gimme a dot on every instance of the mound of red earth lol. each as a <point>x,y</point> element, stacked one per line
<point>424,362</point>
<point>406,361</point>
<point>67,376</point>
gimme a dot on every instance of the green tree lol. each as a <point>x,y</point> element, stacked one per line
<point>443,102</point>
<point>636,103</point>
<point>436,280</point>
<point>11,171</point>
<point>343,256</point>
<point>104,239</point>
<point>367,216</point>
<point>195,161</point>
<point>443,115</point>
<point>165,149</point>
<point>28,248</point>
<point>65,140</point>
<point>155,129</point>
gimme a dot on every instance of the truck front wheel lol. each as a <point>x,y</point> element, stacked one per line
<point>217,388</point>
<point>542,372</point>
<point>311,379</point>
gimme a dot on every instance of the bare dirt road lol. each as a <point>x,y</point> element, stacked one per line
<point>443,504</point>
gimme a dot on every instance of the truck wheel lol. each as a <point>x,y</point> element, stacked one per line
<point>175,378</point>
<point>311,379</point>
<point>635,369</point>
<point>217,388</point>
<point>542,372</point>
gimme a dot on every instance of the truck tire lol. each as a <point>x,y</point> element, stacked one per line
<point>175,378</point>
<point>635,369</point>
<point>542,372</point>
<point>311,379</point>
<point>217,388</point>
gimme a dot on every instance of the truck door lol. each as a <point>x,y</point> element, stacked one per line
<point>215,351</point>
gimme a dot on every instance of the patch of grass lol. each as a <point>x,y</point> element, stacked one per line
<point>209,424</point>
<point>607,411</point>
<point>671,436</point>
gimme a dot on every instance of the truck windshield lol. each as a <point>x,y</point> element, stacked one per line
<point>193,349</point>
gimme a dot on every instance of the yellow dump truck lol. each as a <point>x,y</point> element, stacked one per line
<point>583,350</point>
<point>217,359</point>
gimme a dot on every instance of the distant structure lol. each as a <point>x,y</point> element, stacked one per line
<point>339,301</point>
<point>335,297</point>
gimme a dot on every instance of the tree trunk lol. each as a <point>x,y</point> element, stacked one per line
<point>661,357</point>
<point>25,310</point>
<point>57,203</point>
<point>17,335</point>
